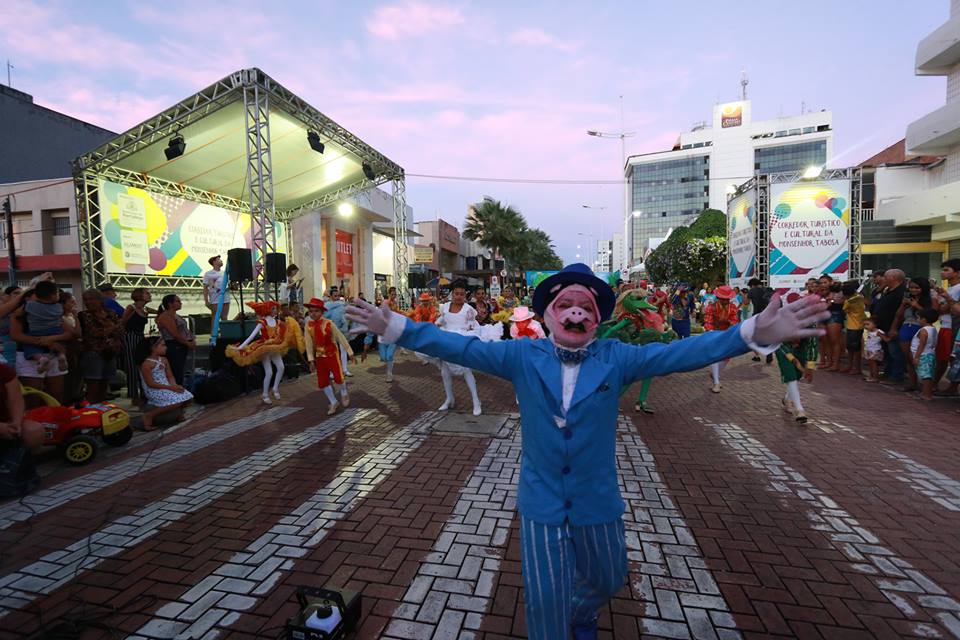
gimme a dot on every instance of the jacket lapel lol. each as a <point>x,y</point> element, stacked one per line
<point>547,365</point>
<point>593,374</point>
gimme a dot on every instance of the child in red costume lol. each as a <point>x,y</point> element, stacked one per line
<point>322,338</point>
<point>426,311</point>
<point>720,316</point>
<point>522,325</point>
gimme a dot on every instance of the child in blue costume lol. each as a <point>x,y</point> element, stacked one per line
<point>574,555</point>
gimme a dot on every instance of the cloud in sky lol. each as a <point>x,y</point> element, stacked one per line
<point>412,18</point>
<point>486,89</point>
<point>534,37</point>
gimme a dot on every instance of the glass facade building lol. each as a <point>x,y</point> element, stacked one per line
<point>790,157</point>
<point>668,194</point>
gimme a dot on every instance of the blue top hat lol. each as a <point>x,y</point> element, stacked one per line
<point>577,273</point>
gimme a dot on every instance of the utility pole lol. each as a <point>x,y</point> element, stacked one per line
<point>11,252</point>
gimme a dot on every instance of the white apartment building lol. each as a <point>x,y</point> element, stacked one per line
<point>604,256</point>
<point>930,195</point>
<point>668,189</point>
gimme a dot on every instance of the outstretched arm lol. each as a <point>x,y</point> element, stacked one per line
<point>762,333</point>
<point>495,358</point>
<point>253,336</point>
<point>342,339</point>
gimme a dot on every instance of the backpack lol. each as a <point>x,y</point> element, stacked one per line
<point>18,473</point>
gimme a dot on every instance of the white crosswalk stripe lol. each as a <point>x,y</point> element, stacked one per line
<point>454,585</point>
<point>668,571</point>
<point>237,585</point>
<point>942,489</point>
<point>55,569</point>
<point>66,492</point>
<point>907,588</point>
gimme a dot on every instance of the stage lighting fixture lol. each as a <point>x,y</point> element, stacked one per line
<point>812,172</point>
<point>175,147</point>
<point>345,209</point>
<point>368,171</point>
<point>314,139</point>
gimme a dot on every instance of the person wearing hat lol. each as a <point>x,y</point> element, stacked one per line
<point>267,343</point>
<point>573,552</point>
<point>522,324</point>
<point>720,315</point>
<point>213,287</point>
<point>109,295</point>
<point>323,343</point>
<point>683,306</point>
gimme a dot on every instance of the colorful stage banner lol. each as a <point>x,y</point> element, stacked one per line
<point>742,239</point>
<point>809,232</point>
<point>147,233</point>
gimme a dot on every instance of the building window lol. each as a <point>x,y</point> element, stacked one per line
<point>61,226</point>
<point>790,157</point>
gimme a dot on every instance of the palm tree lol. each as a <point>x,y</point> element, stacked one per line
<point>495,226</point>
<point>536,252</point>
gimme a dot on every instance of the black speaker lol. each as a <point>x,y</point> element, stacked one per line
<point>240,264</point>
<point>276,265</point>
<point>416,280</point>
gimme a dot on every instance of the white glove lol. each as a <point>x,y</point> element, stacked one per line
<point>785,323</point>
<point>367,318</point>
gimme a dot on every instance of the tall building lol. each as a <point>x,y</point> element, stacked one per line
<point>604,256</point>
<point>930,195</point>
<point>668,189</point>
<point>618,252</point>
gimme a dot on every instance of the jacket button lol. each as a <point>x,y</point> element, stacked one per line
<point>565,470</point>
<point>567,504</point>
<point>567,434</point>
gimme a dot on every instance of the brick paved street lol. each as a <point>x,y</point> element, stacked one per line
<point>740,523</point>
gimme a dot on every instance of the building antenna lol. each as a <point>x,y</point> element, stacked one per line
<point>744,81</point>
<point>10,67</point>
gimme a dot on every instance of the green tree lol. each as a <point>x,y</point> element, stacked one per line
<point>695,254</point>
<point>504,230</point>
<point>495,226</point>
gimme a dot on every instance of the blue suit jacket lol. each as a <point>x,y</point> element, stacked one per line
<point>571,473</point>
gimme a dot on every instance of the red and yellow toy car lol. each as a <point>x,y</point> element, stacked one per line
<point>75,430</point>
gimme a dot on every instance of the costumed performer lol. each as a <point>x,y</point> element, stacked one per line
<point>523,325</point>
<point>335,312</point>
<point>267,343</point>
<point>719,315</point>
<point>324,342</point>
<point>387,351</point>
<point>636,321</point>
<point>684,306</point>
<point>458,317</point>
<point>569,499</point>
<point>425,311</point>
<point>795,359</point>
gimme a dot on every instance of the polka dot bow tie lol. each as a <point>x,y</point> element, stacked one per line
<point>568,356</point>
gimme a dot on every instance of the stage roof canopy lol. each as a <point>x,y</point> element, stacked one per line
<point>215,124</point>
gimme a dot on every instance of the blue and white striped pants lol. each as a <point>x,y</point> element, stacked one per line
<point>569,572</point>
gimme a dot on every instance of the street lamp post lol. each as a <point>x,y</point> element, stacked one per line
<point>601,209</point>
<point>622,135</point>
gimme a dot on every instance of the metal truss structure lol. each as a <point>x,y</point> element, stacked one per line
<point>762,183</point>
<point>401,265</point>
<point>260,95</point>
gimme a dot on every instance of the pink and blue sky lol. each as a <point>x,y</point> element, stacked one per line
<point>497,88</point>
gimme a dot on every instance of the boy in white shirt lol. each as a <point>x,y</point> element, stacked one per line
<point>213,285</point>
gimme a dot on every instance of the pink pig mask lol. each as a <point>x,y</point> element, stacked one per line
<point>572,317</point>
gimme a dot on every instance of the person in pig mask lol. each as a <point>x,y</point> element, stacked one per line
<point>574,555</point>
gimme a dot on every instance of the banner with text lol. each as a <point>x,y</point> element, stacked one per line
<point>742,239</point>
<point>344,253</point>
<point>809,232</point>
<point>146,233</point>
